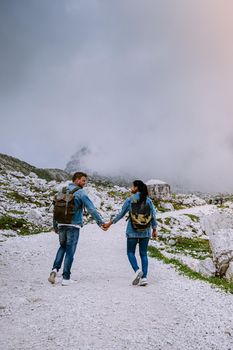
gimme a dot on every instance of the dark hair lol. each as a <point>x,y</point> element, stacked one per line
<point>142,188</point>
<point>78,175</point>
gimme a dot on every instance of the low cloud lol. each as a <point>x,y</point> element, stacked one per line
<point>146,86</point>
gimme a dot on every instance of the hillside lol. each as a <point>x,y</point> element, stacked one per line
<point>195,239</point>
<point>8,163</point>
<point>191,232</point>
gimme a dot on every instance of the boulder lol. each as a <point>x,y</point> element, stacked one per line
<point>219,228</point>
<point>34,216</point>
<point>207,267</point>
<point>158,189</point>
<point>167,205</point>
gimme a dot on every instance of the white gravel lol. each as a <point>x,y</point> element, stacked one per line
<point>102,310</point>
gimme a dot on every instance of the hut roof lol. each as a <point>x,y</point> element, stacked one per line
<point>155,182</point>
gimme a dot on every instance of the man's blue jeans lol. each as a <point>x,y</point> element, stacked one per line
<point>68,237</point>
<point>131,247</point>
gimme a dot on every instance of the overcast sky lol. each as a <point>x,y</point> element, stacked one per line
<point>147,85</point>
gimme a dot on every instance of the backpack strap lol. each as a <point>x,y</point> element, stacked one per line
<point>75,189</point>
<point>65,189</point>
<point>133,199</point>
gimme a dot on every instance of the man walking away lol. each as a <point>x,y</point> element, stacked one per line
<point>69,232</point>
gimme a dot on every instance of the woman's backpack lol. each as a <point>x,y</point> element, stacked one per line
<point>140,215</point>
<point>64,206</point>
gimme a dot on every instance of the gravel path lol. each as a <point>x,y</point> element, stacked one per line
<point>102,310</point>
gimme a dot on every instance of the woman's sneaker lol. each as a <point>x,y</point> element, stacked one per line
<point>52,276</point>
<point>143,282</point>
<point>138,275</point>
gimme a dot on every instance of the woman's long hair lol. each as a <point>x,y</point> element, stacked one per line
<point>142,188</point>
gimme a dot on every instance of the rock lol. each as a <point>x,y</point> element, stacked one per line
<point>2,238</point>
<point>207,267</point>
<point>219,229</point>
<point>34,216</point>
<point>167,206</point>
<point>158,189</point>
<point>193,264</point>
<point>171,242</point>
<point>8,233</point>
<point>229,272</point>
<point>193,200</point>
<point>33,175</point>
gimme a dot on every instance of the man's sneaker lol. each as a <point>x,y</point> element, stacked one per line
<point>65,282</point>
<point>138,275</point>
<point>143,282</point>
<point>52,276</point>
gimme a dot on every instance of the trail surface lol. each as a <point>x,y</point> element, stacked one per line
<point>102,310</point>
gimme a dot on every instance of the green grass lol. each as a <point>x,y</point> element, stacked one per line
<point>17,212</point>
<point>167,221</point>
<point>158,206</point>
<point>117,194</point>
<point>193,244</point>
<point>196,247</point>
<point>164,230</point>
<point>185,270</point>
<point>193,217</point>
<point>20,225</point>
<point>16,197</point>
<point>178,206</point>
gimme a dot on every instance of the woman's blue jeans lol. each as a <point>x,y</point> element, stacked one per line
<point>68,237</point>
<point>131,247</point>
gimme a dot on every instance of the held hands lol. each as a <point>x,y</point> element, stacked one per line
<point>106,226</point>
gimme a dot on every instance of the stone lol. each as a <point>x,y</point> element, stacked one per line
<point>207,267</point>
<point>158,189</point>
<point>33,175</point>
<point>229,272</point>
<point>171,242</point>
<point>34,216</point>
<point>167,206</point>
<point>219,229</point>
<point>8,233</point>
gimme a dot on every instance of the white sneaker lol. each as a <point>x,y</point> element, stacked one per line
<point>52,276</point>
<point>138,275</point>
<point>67,282</point>
<point>143,282</point>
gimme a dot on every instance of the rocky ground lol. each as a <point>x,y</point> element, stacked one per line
<point>102,310</point>
<point>197,234</point>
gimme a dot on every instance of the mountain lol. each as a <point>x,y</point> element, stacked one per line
<point>79,161</point>
<point>8,163</point>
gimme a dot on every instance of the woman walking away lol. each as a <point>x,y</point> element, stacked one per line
<point>142,217</point>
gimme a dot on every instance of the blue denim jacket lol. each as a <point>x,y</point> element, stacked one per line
<point>81,200</point>
<point>130,231</point>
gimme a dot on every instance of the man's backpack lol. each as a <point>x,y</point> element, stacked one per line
<point>64,206</point>
<point>140,215</point>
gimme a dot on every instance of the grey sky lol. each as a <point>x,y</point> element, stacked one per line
<point>147,85</point>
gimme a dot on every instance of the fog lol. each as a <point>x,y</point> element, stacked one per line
<point>146,85</point>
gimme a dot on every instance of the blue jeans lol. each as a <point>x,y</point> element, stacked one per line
<point>131,247</point>
<point>68,237</point>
